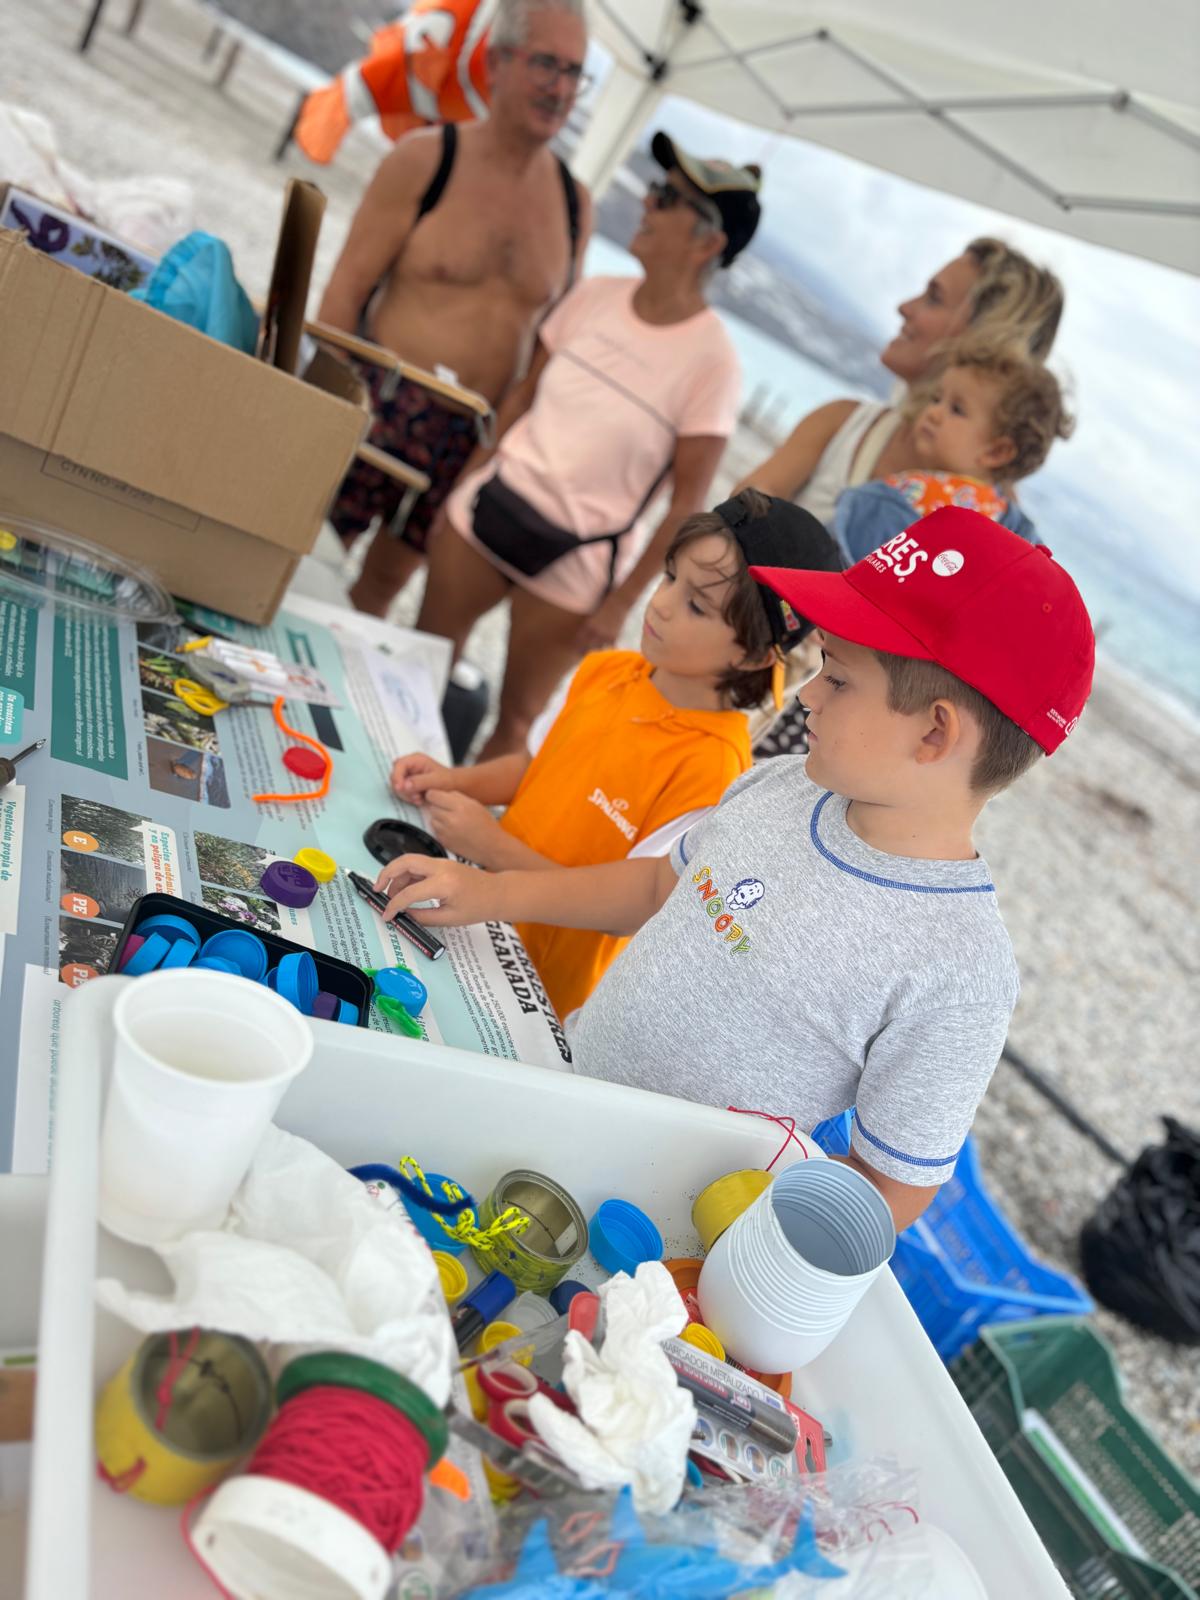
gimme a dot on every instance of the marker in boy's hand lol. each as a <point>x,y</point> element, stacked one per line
<point>463,894</point>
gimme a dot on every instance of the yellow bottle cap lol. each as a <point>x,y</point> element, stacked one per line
<point>322,867</point>
<point>451,1272</point>
<point>704,1339</point>
<point>496,1333</point>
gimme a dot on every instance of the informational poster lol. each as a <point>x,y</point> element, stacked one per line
<point>135,791</point>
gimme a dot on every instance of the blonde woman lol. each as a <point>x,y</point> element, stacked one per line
<point>993,291</point>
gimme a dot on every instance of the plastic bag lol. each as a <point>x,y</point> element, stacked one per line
<point>841,1536</point>
<point>1141,1250</point>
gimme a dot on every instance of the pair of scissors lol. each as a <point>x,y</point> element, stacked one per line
<point>509,1388</point>
<point>197,698</point>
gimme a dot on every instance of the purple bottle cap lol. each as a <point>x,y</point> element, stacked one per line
<point>325,1006</point>
<point>289,885</point>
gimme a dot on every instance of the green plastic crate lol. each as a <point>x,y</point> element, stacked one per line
<point>1120,1520</point>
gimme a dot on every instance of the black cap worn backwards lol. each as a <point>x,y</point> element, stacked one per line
<point>784,536</point>
<point>733,190</point>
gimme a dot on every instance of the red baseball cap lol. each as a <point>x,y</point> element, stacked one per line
<point>959,589</point>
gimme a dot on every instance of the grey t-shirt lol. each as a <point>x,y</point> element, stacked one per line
<point>796,970</point>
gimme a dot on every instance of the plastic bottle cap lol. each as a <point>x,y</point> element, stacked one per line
<point>325,1005</point>
<point>563,1293</point>
<point>296,979</point>
<point>245,950</point>
<point>452,1275</point>
<point>685,1273</point>
<point>719,1205</point>
<point>263,1531</point>
<point>322,867</point>
<point>129,949</point>
<point>305,763</point>
<point>147,957</point>
<point>398,983</point>
<point>217,964</point>
<point>171,927</point>
<point>348,1012</point>
<point>704,1339</point>
<point>621,1236</point>
<point>491,1296</point>
<point>497,1333</point>
<point>180,954</point>
<point>289,885</point>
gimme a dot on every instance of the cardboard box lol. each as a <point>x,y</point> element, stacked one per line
<point>74,241</point>
<point>210,467</point>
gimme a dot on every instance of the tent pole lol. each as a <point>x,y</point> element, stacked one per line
<point>621,110</point>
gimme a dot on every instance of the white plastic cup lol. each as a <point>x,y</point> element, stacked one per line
<point>200,1062</point>
<point>781,1282</point>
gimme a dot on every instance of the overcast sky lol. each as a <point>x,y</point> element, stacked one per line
<point>1129,344</point>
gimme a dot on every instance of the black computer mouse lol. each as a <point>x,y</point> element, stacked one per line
<point>389,837</point>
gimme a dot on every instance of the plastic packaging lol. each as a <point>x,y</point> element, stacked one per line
<point>200,1063</point>
<point>850,1534</point>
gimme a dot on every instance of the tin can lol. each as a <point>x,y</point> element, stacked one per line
<point>214,1413</point>
<point>549,1247</point>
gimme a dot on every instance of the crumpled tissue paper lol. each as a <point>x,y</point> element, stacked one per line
<point>633,1422</point>
<point>305,1257</point>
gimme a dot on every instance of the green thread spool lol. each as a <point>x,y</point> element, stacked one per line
<point>541,1256</point>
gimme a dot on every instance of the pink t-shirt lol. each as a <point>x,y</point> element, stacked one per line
<point>613,399</point>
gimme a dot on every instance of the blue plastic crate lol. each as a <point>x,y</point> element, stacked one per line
<point>963,1264</point>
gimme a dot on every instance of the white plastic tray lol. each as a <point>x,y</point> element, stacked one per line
<point>880,1389</point>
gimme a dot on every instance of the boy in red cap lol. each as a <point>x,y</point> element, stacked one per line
<point>828,936</point>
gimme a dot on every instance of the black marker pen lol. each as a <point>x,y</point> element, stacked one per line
<point>426,942</point>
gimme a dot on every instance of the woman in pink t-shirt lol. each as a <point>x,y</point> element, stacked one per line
<point>634,384</point>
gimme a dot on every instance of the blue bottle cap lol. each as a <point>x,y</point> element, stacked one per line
<point>348,1012</point>
<point>398,983</point>
<point>491,1296</point>
<point>148,957</point>
<point>245,950</point>
<point>171,927</point>
<point>621,1236</point>
<point>180,954</point>
<point>296,980</point>
<point>271,979</point>
<point>563,1293</point>
<point>216,964</point>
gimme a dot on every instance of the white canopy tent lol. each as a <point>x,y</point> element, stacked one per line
<point>1081,115</point>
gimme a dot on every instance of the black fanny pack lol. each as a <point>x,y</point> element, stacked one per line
<point>520,536</point>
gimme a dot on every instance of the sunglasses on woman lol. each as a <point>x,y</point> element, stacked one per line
<point>664,196</point>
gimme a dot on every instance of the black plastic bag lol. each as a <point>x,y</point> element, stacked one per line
<point>1141,1250</point>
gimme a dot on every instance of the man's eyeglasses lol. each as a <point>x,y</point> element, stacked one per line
<point>664,196</point>
<point>546,70</point>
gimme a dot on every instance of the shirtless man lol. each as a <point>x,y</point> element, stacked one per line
<point>470,230</point>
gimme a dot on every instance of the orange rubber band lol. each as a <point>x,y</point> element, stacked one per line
<point>322,788</point>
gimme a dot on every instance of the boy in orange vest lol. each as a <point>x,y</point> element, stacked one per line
<point>640,745</point>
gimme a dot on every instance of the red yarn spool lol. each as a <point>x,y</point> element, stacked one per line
<point>346,1447</point>
<point>353,1450</point>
